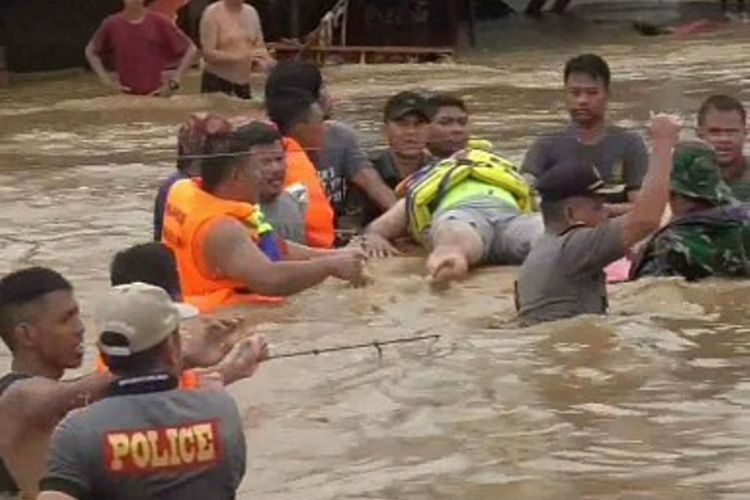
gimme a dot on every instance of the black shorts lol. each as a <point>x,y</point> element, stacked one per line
<point>211,83</point>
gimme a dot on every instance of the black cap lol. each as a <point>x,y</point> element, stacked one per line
<point>568,180</point>
<point>405,103</point>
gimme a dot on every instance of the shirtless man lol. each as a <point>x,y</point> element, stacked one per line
<point>233,46</point>
<point>41,325</point>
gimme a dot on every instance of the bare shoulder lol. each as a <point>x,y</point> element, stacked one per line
<point>24,396</point>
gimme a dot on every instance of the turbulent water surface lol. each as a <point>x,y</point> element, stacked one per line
<point>649,403</point>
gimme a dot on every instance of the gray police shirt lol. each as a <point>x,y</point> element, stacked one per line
<point>563,275</point>
<point>620,157</point>
<point>172,444</point>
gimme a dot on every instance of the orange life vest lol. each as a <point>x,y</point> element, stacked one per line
<point>320,230</point>
<point>168,8</point>
<point>188,381</point>
<point>190,211</point>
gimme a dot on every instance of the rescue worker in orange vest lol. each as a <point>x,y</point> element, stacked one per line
<point>299,118</point>
<point>226,254</point>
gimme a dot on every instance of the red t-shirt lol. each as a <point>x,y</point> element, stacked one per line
<point>139,52</point>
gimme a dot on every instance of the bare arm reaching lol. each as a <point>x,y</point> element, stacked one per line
<point>229,253</point>
<point>647,210</point>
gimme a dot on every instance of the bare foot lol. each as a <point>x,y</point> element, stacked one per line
<point>445,268</point>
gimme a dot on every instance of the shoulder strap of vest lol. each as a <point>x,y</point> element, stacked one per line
<point>444,183</point>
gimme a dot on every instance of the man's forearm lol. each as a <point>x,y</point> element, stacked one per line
<point>287,278</point>
<point>370,182</point>
<point>648,208</point>
<point>187,60</point>
<point>96,64</point>
<point>297,252</point>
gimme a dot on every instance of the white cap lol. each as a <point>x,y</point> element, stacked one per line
<point>141,316</point>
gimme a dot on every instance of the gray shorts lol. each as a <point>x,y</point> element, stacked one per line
<point>506,234</point>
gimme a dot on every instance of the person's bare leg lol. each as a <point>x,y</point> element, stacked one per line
<point>456,247</point>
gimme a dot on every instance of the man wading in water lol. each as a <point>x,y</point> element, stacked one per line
<point>563,276</point>
<point>41,325</point>
<point>148,438</point>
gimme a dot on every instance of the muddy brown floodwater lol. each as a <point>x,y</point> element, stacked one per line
<point>649,403</point>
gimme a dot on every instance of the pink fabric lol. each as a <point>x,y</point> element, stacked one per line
<point>139,52</point>
<point>618,271</point>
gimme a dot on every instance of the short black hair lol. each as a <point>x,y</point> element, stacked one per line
<point>224,151</point>
<point>591,65</point>
<point>289,107</point>
<point>135,364</point>
<point>21,288</point>
<point>721,102</point>
<point>439,100</point>
<point>298,75</point>
<point>152,263</point>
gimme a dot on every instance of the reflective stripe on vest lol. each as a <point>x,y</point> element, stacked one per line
<point>435,186</point>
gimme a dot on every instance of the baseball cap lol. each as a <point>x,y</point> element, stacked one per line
<point>140,316</point>
<point>405,103</point>
<point>568,180</point>
<point>696,174</point>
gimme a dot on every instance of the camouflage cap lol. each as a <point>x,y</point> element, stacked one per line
<point>695,174</point>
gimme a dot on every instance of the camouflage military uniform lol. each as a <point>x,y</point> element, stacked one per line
<point>712,242</point>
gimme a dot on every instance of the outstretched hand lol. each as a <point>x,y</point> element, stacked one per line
<point>244,359</point>
<point>375,246</point>
<point>212,341</point>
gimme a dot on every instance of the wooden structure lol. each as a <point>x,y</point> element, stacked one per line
<point>382,31</point>
<point>362,54</point>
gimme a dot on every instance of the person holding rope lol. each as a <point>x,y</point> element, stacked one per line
<point>226,252</point>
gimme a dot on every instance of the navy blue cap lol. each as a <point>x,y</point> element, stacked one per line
<point>568,180</point>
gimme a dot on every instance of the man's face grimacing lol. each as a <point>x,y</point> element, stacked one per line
<point>726,132</point>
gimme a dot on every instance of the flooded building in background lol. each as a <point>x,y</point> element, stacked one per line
<point>42,35</point>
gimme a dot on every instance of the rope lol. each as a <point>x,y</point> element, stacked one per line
<point>376,344</point>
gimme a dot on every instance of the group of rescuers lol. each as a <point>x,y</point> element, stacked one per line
<point>250,217</point>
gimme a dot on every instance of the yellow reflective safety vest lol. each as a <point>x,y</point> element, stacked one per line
<point>468,174</point>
